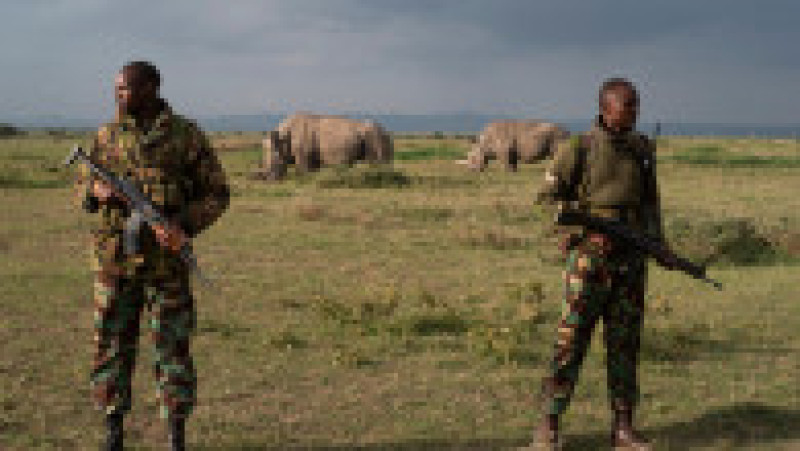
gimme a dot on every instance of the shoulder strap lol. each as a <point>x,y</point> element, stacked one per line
<point>644,158</point>
<point>577,178</point>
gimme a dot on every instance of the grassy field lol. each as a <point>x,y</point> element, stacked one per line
<point>414,309</point>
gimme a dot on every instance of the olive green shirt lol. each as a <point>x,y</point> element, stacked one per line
<point>615,177</point>
<point>174,165</point>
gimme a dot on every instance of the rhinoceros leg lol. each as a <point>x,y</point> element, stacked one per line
<point>511,155</point>
<point>316,159</point>
<point>377,146</point>
<point>544,148</point>
<point>364,151</point>
<point>277,170</point>
<point>301,146</point>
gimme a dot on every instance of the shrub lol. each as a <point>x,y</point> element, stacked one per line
<point>9,130</point>
<point>729,241</point>
<point>377,176</point>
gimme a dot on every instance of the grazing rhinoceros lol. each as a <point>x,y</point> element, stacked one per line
<point>513,142</point>
<point>310,141</point>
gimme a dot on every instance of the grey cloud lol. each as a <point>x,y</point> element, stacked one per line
<point>711,60</point>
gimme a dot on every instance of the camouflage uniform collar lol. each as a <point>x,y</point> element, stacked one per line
<point>600,130</point>
<point>160,123</point>
<point>157,131</point>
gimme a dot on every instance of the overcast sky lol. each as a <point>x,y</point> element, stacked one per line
<point>694,61</point>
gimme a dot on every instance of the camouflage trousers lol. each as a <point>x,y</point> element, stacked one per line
<point>600,282</point>
<point>119,304</point>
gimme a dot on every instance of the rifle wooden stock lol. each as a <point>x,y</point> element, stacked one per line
<point>141,208</point>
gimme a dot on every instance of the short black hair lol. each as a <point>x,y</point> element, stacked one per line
<point>613,83</point>
<point>144,69</point>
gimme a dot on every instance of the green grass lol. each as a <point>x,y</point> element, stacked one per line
<point>431,153</point>
<point>718,156</point>
<point>13,178</point>
<point>420,315</point>
<point>361,177</point>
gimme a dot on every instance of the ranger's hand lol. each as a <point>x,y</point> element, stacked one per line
<point>171,237</point>
<point>103,191</point>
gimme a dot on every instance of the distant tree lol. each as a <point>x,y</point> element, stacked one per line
<point>57,132</point>
<point>9,130</point>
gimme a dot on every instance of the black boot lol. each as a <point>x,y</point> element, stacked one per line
<point>545,436</point>
<point>113,432</point>
<point>623,434</point>
<point>547,433</point>
<point>176,434</point>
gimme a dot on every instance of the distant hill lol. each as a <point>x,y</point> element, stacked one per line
<point>455,122</point>
<point>426,123</point>
<point>50,121</point>
<point>474,122</point>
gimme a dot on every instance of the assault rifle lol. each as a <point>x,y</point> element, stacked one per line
<point>142,210</point>
<point>641,242</point>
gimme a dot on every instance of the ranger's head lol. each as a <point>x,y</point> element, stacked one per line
<point>136,88</point>
<point>619,104</point>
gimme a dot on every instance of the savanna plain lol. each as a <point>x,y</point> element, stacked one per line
<point>413,307</point>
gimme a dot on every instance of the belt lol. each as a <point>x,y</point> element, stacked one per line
<point>625,213</point>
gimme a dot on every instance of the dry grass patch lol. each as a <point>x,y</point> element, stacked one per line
<point>236,141</point>
<point>494,237</point>
<point>417,315</point>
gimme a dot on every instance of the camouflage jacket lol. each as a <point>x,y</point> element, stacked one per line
<point>174,165</point>
<point>608,174</point>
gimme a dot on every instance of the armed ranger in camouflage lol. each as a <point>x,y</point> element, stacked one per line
<point>608,174</point>
<point>173,179</point>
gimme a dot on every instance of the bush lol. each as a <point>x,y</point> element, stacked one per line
<point>9,130</point>
<point>729,241</point>
<point>378,176</point>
